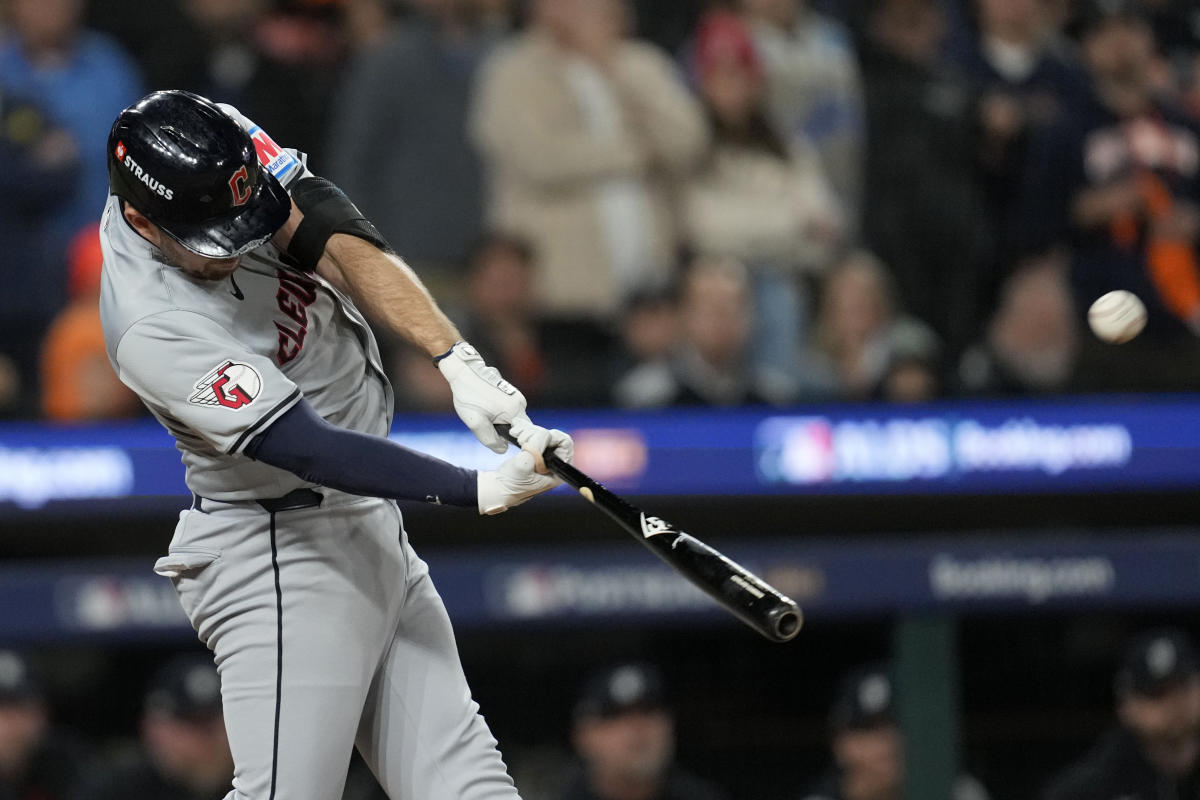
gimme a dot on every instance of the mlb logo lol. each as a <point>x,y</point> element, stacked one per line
<point>796,450</point>
<point>809,454</point>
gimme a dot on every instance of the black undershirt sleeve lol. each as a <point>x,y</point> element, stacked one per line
<point>306,445</point>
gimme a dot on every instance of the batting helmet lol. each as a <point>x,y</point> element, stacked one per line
<point>191,169</point>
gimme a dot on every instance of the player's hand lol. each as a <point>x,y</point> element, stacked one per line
<point>536,440</point>
<point>514,482</point>
<point>482,398</point>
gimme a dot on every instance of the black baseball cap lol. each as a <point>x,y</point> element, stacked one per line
<point>616,690</point>
<point>18,684</point>
<point>187,687</point>
<point>1156,661</point>
<point>865,699</point>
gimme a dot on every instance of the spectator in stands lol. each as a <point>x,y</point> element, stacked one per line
<point>83,79</point>
<point>184,753</point>
<point>38,173</point>
<point>78,381</point>
<point>278,74</point>
<point>756,197</point>
<point>399,142</point>
<point>1120,183</point>
<point>649,329</point>
<point>868,746</point>
<point>1155,751</point>
<point>624,734</point>
<point>710,365</point>
<point>35,762</point>
<point>423,392</point>
<point>1176,26</point>
<point>499,316</point>
<point>814,92</point>
<point>924,213</point>
<point>1024,90</point>
<point>583,132</point>
<point>1032,341</point>
<point>553,361</point>
<point>367,23</point>
<point>862,335</point>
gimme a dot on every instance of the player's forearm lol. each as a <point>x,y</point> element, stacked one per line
<point>307,446</point>
<point>389,292</point>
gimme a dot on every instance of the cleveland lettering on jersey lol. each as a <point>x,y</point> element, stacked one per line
<point>296,293</point>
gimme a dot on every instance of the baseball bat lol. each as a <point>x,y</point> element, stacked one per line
<point>747,596</point>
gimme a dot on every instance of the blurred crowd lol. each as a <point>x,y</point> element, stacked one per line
<point>622,740</point>
<point>650,204</point>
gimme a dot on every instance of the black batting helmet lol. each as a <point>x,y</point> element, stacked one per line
<point>191,169</point>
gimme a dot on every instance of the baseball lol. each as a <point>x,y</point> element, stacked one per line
<point>1117,317</point>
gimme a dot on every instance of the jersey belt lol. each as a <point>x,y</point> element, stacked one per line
<point>292,501</point>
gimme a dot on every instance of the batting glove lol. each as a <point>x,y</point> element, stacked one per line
<point>514,482</point>
<point>536,440</point>
<point>481,397</point>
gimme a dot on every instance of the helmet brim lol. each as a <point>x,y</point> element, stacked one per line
<point>264,214</point>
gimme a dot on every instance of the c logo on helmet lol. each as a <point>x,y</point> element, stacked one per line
<point>237,185</point>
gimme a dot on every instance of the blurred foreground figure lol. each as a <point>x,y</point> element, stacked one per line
<point>868,747</point>
<point>185,754</point>
<point>35,764</point>
<point>625,736</point>
<point>1154,752</point>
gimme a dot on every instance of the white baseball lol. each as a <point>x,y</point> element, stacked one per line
<point>1117,317</point>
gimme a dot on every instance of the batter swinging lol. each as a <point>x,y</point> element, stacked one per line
<point>233,279</point>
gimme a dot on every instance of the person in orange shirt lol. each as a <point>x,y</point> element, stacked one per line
<point>78,382</point>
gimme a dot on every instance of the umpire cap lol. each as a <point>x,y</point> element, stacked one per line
<point>192,171</point>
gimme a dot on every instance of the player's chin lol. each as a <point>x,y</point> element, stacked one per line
<point>219,269</point>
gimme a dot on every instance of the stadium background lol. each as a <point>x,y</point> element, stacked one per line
<point>1023,684</point>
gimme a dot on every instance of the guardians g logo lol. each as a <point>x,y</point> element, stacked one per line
<point>231,385</point>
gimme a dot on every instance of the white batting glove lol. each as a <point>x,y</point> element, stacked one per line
<point>536,440</point>
<point>514,482</point>
<point>481,397</point>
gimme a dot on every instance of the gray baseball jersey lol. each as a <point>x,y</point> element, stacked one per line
<point>325,625</point>
<point>217,362</point>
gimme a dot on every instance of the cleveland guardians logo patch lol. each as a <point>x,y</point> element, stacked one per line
<point>231,385</point>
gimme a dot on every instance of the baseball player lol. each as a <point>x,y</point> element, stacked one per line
<point>233,310</point>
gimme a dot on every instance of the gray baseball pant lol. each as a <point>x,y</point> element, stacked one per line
<point>328,633</point>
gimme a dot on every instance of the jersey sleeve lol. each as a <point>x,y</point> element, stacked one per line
<point>286,164</point>
<point>189,369</point>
